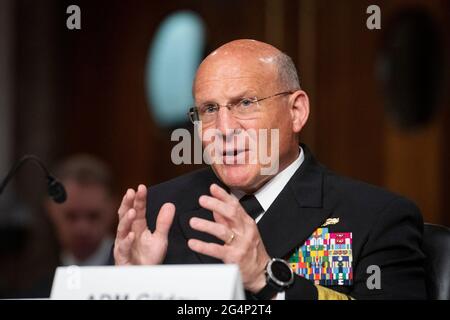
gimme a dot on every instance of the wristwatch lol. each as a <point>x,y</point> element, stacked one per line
<point>279,277</point>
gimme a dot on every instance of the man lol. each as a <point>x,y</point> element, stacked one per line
<point>299,233</point>
<point>84,222</point>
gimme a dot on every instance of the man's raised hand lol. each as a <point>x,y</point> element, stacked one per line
<point>135,244</point>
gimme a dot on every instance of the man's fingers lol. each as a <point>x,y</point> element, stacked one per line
<point>220,219</point>
<point>125,223</point>
<point>216,206</point>
<point>210,249</point>
<point>220,193</point>
<point>127,202</point>
<point>140,201</point>
<point>124,246</point>
<point>165,219</point>
<point>216,229</point>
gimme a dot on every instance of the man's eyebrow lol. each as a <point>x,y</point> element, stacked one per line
<point>249,93</point>
<point>207,102</point>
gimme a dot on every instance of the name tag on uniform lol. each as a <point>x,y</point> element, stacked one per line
<point>325,258</point>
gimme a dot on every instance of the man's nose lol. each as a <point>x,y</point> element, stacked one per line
<point>227,124</point>
<point>81,223</point>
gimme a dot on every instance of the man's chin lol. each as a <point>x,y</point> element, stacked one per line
<point>239,176</point>
<point>83,253</point>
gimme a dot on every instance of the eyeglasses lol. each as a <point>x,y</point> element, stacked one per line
<point>244,109</point>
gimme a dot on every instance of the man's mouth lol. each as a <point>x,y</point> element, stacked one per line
<point>234,156</point>
<point>233,152</point>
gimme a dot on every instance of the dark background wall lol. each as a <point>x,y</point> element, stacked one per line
<point>83,91</point>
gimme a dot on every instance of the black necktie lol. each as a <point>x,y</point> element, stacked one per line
<point>251,205</point>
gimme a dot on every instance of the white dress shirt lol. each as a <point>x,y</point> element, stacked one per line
<point>270,191</point>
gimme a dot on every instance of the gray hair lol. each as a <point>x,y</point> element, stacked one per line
<point>287,73</point>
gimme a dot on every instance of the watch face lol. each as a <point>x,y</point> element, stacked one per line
<point>281,271</point>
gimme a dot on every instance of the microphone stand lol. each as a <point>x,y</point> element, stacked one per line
<point>55,189</point>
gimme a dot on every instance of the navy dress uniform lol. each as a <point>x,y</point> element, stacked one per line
<point>333,231</point>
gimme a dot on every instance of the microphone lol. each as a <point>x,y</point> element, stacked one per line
<point>55,189</point>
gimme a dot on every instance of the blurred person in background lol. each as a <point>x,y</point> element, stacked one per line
<point>83,224</point>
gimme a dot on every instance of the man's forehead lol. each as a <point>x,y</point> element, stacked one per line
<point>242,61</point>
<point>234,69</point>
<point>237,64</point>
<point>242,77</point>
<point>230,87</point>
<point>241,53</point>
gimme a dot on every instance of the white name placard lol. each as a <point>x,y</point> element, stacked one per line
<point>163,282</point>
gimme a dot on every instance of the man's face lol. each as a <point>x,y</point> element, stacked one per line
<point>84,219</point>
<point>227,80</point>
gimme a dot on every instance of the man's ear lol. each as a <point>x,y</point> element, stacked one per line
<point>299,110</point>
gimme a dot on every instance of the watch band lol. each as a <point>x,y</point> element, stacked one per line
<point>272,287</point>
<point>266,293</point>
